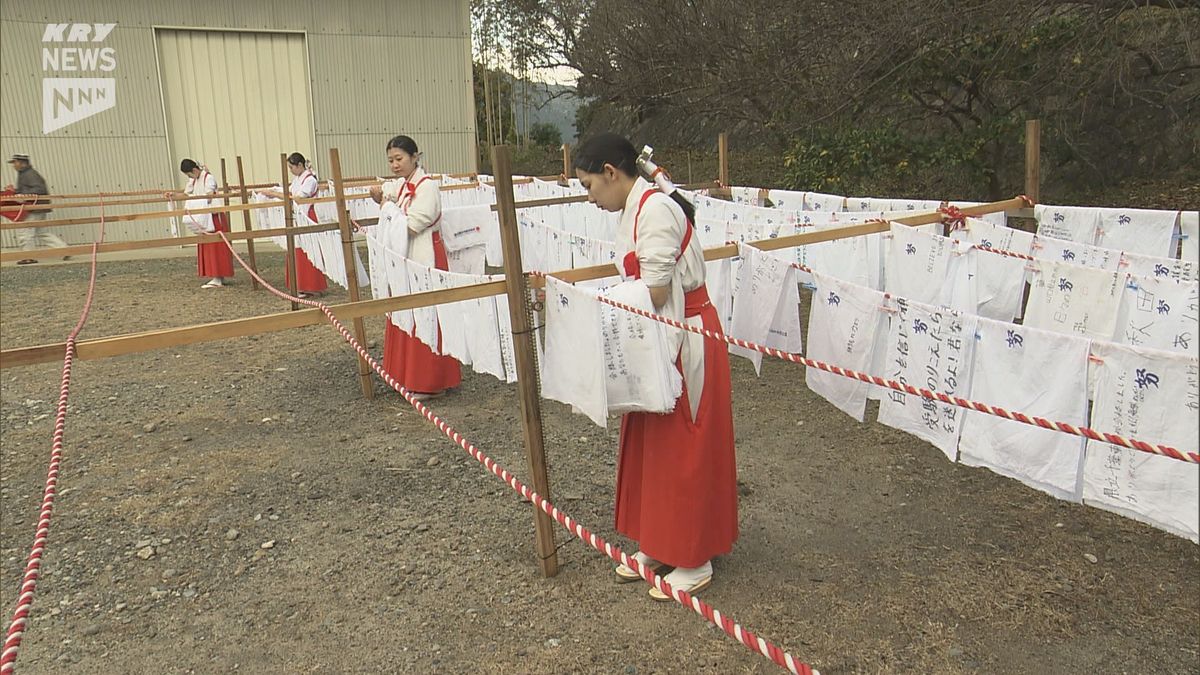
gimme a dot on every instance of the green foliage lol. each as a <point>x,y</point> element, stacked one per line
<point>545,135</point>
<point>868,160</point>
<point>585,114</point>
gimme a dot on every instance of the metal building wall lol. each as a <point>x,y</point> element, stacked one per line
<point>252,100</point>
<point>376,68</point>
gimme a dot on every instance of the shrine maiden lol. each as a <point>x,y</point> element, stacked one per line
<point>212,260</point>
<point>676,473</point>
<point>406,358</point>
<point>309,280</point>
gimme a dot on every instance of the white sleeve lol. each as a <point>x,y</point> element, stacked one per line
<point>660,232</point>
<point>426,207</point>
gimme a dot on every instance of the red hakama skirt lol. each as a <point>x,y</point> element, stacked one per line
<point>215,260</point>
<point>309,279</point>
<point>677,478</point>
<point>412,362</point>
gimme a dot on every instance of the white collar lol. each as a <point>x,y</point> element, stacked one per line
<point>640,186</point>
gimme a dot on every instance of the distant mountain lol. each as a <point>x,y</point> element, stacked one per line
<point>550,103</point>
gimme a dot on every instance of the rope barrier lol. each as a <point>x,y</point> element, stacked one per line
<point>1032,420</point>
<point>749,639</point>
<point>20,618</point>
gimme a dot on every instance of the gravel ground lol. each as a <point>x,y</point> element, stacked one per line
<point>237,505</point>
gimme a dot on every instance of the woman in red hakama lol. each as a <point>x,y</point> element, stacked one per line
<point>406,358</point>
<point>310,281</point>
<point>676,473</point>
<point>214,260</point>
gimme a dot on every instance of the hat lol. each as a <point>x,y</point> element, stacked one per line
<point>19,156</point>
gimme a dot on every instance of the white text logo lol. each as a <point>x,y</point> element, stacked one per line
<point>67,100</point>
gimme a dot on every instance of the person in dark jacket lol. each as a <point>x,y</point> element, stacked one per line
<point>30,183</point>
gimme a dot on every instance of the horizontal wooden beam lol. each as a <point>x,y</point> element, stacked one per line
<point>119,345</point>
<point>140,244</point>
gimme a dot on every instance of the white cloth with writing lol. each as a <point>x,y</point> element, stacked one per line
<point>1161,268</point>
<point>719,280</point>
<point>764,300</point>
<point>933,349</point>
<point>640,373</point>
<point>425,325</point>
<point>853,259</point>
<point>377,261</point>
<point>844,322</point>
<point>1151,396</point>
<point>1074,300</point>
<point>483,335</point>
<point>817,201</point>
<point>454,319</point>
<point>918,266</point>
<point>1072,223</point>
<point>1159,313</point>
<point>1075,253</point>
<point>507,351</point>
<point>466,226</point>
<point>573,365</point>
<point>1039,373</point>
<point>1144,231</point>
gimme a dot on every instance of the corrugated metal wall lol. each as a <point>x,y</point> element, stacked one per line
<point>236,92</point>
<point>375,67</point>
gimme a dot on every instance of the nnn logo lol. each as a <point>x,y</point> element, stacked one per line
<point>67,100</point>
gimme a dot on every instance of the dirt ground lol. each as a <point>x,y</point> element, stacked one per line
<point>297,527</point>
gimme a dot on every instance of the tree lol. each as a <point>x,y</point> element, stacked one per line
<point>1116,83</point>
<point>545,135</point>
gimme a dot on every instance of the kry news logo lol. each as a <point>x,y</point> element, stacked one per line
<point>66,100</point>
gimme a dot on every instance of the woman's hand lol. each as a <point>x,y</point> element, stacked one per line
<point>659,295</point>
<point>377,194</point>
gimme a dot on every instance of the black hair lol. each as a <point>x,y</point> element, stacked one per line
<point>606,148</point>
<point>297,159</point>
<point>188,165</point>
<point>404,143</point>
<point>610,148</point>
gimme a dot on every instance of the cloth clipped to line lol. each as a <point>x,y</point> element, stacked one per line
<point>603,360</point>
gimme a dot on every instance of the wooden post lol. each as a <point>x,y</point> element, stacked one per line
<point>526,357</point>
<point>360,333</point>
<point>245,216</point>
<point>289,221</point>
<point>723,159</point>
<point>1033,160</point>
<point>567,171</point>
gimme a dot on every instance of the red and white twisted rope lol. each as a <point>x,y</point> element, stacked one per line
<point>20,618</point>
<point>749,639</point>
<point>1032,420</point>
